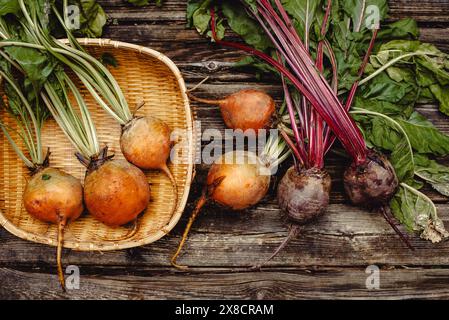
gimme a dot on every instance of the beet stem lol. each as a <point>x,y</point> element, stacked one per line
<point>138,106</point>
<point>294,231</point>
<point>206,101</point>
<point>172,179</point>
<point>292,146</point>
<point>85,162</point>
<point>355,85</point>
<point>198,85</point>
<point>300,147</point>
<point>129,235</point>
<point>386,213</point>
<point>96,161</point>
<point>60,242</point>
<point>297,58</point>
<point>330,140</point>
<point>200,203</point>
<point>333,61</point>
<point>317,136</point>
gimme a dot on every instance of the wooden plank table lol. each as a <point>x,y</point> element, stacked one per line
<point>327,261</point>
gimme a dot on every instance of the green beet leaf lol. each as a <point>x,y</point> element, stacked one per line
<point>437,175</point>
<point>442,95</point>
<point>306,13</point>
<point>418,214</point>
<point>244,26</point>
<point>424,136</point>
<point>92,18</point>
<point>9,6</point>
<point>402,29</point>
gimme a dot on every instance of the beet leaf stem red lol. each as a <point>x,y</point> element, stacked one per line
<point>307,79</point>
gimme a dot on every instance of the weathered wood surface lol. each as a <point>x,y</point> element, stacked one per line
<point>319,283</point>
<point>327,261</point>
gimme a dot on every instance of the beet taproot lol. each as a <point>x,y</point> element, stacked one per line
<point>237,180</point>
<point>146,143</point>
<point>53,196</point>
<point>303,196</point>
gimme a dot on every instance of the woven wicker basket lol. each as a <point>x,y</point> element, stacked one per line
<point>143,74</point>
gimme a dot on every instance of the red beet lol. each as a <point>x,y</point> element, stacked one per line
<point>302,196</point>
<point>372,183</point>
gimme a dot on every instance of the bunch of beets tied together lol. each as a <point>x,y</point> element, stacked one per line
<point>34,68</point>
<point>347,76</point>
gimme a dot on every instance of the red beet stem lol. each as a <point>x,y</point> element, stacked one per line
<point>330,140</point>
<point>355,85</point>
<point>306,79</point>
<point>317,140</point>
<point>386,213</point>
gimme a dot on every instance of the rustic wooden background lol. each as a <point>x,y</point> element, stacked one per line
<point>327,261</point>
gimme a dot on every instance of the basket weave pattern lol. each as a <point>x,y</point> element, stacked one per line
<point>143,74</point>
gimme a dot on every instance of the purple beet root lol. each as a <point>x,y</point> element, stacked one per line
<point>303,196</point>
<point>371,184</point>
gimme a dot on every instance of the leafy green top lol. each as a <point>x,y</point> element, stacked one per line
<point>92,17</point>
<point>402,73</point>
<point>26,108</point>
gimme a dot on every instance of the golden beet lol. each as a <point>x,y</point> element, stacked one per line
<point>248,109</point>
<point>245,110</point>
<point>236,180</point>
<point>116,192</point>
<point>243,185</point>
<point>145,142</point>
<point>52,195</point>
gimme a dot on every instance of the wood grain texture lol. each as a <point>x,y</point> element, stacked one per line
<point>327,260</point>
<point>344,236</point>
<point>328,283</point>
<point>427,11</point>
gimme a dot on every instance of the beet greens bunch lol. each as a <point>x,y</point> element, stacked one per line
<point>336,56</point>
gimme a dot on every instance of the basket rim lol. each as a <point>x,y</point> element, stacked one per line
<point>182,201</point>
